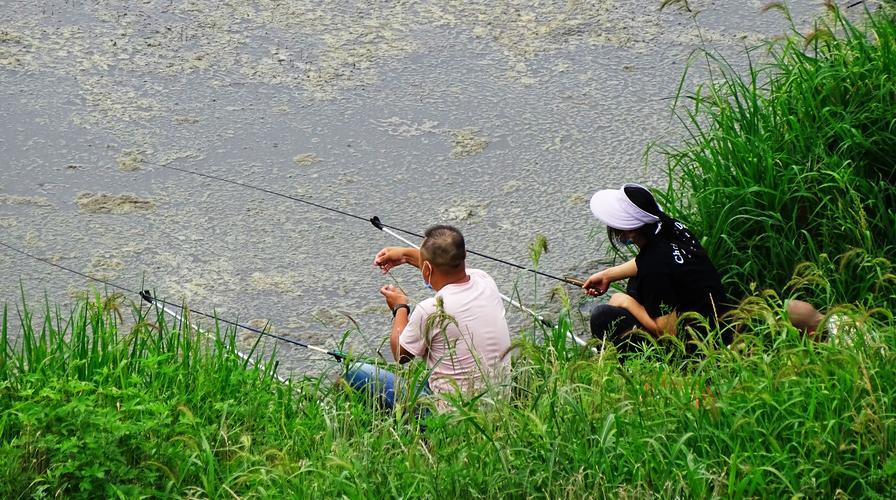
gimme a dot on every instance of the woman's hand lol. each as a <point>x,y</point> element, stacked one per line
<point>597,283</point>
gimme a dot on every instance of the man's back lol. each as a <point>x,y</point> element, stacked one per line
<point>467,342</point>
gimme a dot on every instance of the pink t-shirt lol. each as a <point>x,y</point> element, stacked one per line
<point>469,352</point>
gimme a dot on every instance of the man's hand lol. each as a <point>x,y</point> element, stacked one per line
<point>597,283</point>
<point>390,257</point>
<point>394,296</point>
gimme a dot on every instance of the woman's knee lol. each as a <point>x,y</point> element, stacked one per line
<point>601,311</point>
<point>617,299</point>
<point>605,319</point>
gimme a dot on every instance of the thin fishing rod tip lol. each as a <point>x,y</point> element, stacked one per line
<point>147,296</point>
<point>376,222</point>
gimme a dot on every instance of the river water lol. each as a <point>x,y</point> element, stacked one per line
<point>498,117</point>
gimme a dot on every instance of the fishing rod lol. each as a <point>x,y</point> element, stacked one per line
<point>377,223</point>
<point>147,296</point>
<point>337,355</point>
<point>160,305</point>
<point>507,299</point>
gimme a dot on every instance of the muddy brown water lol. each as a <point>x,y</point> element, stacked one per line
<point>499,117</point>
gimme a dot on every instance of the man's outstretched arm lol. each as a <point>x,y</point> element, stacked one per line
<point>390,257</point>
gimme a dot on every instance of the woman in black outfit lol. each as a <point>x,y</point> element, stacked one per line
<point>670,275</point>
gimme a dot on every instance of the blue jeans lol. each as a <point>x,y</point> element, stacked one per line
<point>382,385</point>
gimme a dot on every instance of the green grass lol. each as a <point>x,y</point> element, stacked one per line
<point>792,160</point>
<point>158,409</point>
<point>787,176</point>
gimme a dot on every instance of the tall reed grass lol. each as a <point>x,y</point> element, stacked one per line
<point>792,160</point>
<point>90,410</point>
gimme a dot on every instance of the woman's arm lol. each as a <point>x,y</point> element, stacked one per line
<point>598,283</point>
<point>662,325</point>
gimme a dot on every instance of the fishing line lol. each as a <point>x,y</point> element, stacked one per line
<point>177,317</point>
<point>377,223</point>
<point>339,356</point>
<point>147,296</point>
<point>507,299</point>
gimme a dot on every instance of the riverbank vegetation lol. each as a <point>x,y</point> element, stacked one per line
<point>160,410</point>
<point>788,177</point>
<point>792,162</point>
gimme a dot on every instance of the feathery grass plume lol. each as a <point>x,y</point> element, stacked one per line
<point>684,5</point>
<point>855,273</point>
<point>537,248</point>
<point>888,7</point>
<point>559,292</point>
<point>437,323</point>
<point>817,35</point>
<point>778,6</point>
<point>758,313</point>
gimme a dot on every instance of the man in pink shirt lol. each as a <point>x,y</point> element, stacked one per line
<point>460,332</point>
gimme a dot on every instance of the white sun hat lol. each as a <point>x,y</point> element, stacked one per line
<point>615,209</point>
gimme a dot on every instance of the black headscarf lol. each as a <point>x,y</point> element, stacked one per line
<point>667,228</point>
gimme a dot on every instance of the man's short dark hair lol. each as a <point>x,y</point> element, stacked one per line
<point>444,248</point>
